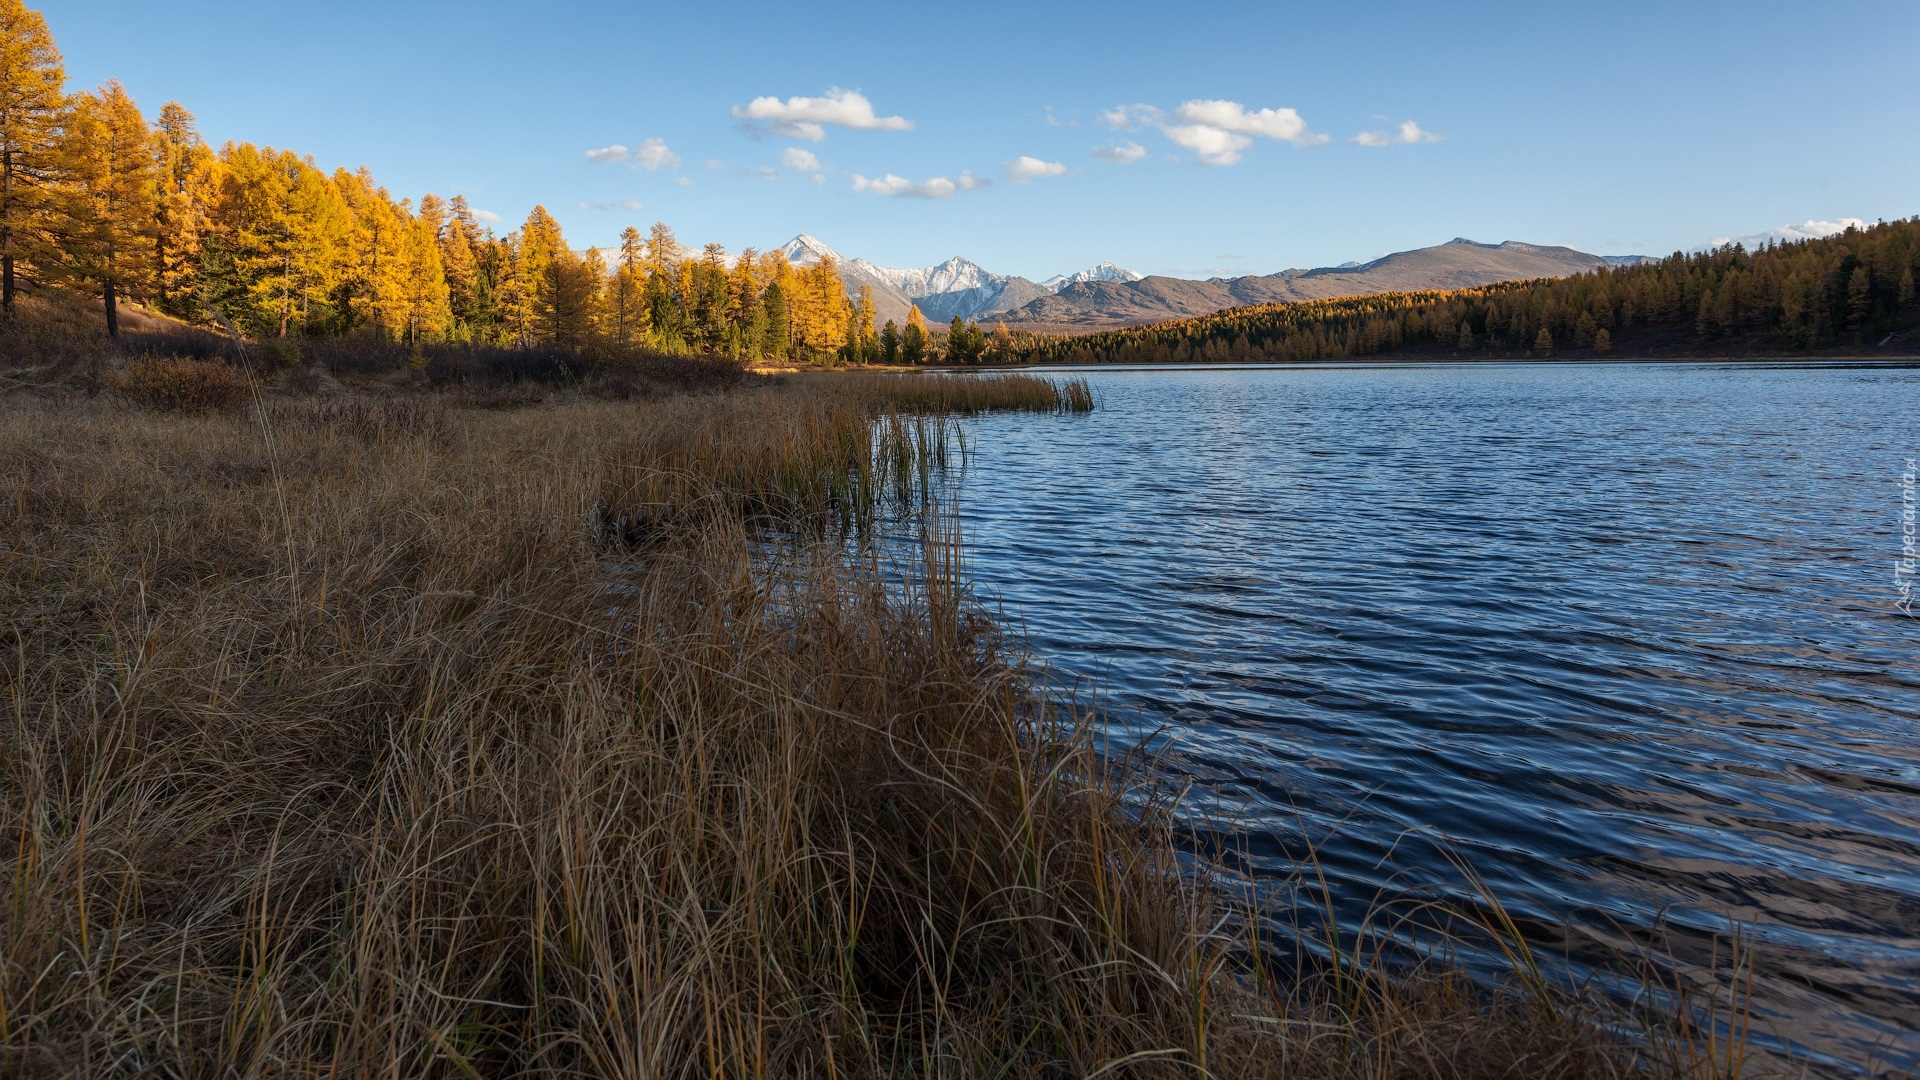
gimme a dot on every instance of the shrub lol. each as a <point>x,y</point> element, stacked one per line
<point>176,382</point>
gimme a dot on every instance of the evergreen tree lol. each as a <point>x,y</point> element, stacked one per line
<point>965,343</point>
<point>31,101</point>
<point>1543,342</point>
<point>1602,341</point>
<point>889,343</point>
<point>779,337</point>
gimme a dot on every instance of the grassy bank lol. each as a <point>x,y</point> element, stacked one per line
<point>361,735</point>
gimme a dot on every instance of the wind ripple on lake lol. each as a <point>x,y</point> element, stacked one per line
<point>1625,633</point>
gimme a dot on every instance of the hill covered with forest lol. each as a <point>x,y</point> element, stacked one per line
<point>1851,294</point>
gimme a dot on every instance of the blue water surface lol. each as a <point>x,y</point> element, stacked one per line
<point>1627,636</point>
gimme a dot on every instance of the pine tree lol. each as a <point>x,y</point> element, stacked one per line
<point>1602,341</point>
<point>890,343</point>
<point>1466,335</point>
<point>112,210</point>
<point>1543,341</point>
<point>779,339</point>
<point>31,80</point>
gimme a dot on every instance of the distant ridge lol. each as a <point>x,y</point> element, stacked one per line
<point>1105,296</point>
<point>1459,263</point>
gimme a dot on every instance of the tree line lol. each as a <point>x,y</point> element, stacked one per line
<point>95,197</point>
<point>1852,290</point>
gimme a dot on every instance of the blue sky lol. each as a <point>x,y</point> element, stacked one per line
<point>1615,128</point>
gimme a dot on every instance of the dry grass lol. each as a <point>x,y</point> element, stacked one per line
<point>492,743</point>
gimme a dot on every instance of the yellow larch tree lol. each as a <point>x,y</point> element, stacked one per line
<point>32,78</point>
<point>187,182</point>
<point>112,186</point>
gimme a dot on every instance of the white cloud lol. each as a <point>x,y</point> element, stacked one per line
<point>1284,125</point>
<point>799,160</point>
<point>1806,230</point>
<point>807,117</point>
<point>1124,153</point>
<point>651,155</point>
<point>632,204</point>
<point>487,216</point>
<point>939,187</point>
<point>767,172</point>
<point>683,181</point>
<point>1214,146</point>
<point>1219,132</point>
<point>1025,169</point>
<point>1408,134</point>
<point>1130,117</point>
<point>716,164</point>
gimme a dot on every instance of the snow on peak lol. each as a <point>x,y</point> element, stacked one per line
<point>1105,271</point>
<point>806,250</point>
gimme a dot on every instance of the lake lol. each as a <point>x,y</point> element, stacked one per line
<point>1627,636</point>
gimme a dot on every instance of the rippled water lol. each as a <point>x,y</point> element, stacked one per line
<point>1627,634</point>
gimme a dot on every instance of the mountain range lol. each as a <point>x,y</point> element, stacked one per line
<point>1107,296</point>
<point>955,287</point>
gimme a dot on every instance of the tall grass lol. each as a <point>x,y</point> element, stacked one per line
<point>966,395</point>
<point>482,784</point>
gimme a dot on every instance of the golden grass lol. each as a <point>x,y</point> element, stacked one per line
<point>486,743</point>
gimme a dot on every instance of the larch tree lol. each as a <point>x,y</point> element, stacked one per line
<point>187,180</point>
<point>32,77</point>
<point>428,312</point>
<point>913,342</point>
<point>112,214</point>
<point>460,239</point>
<point>626,293</point>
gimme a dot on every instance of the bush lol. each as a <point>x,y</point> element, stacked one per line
<point>181,383</point>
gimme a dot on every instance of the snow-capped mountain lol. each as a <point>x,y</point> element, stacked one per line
<point>1105,271</point>
<point>805,250</point>
<point>954,275</point>
<point>955,287</point>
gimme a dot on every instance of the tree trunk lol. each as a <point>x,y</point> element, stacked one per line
<point>113,310</point>
<point>6,232</point>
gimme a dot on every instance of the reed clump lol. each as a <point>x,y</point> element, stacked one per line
<point>178,382</point>
<point>967,395</point>
<point>368,750</point>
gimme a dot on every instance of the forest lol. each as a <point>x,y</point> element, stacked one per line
<point>98,200</point>
<point>1848,293</point>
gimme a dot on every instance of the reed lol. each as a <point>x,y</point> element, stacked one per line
<point>966,395</point>
<point>490,783</point>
